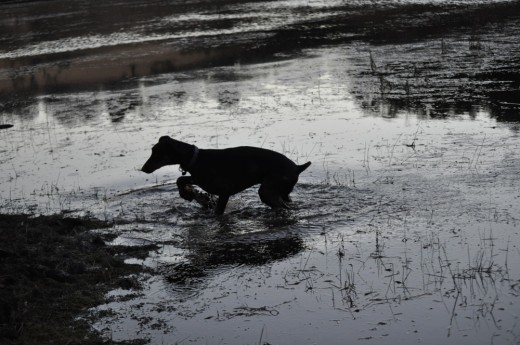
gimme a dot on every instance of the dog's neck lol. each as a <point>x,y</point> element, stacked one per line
<point>184,168</point>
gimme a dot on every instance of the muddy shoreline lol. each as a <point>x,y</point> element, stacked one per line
<point>53,269</point>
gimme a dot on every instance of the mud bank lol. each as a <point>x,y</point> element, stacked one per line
<point>53,269</point>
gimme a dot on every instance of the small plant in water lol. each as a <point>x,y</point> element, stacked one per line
<point>474,43</point>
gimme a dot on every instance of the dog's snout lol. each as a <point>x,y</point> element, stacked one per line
<point>148,167</point>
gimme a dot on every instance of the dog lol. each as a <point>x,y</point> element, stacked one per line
<point>226,172</point>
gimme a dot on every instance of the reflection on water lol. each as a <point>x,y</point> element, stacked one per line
<point>207,256</point>
<point>44,47</point>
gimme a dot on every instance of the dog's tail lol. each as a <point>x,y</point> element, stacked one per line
<point>302,167</point>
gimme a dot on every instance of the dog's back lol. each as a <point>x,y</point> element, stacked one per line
<point>231,170</point>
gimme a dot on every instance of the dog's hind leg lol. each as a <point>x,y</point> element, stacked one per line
<point>221,204</point>
<point>271,196</point>
<point>275,191</point>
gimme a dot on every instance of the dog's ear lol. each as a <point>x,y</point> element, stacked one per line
<point>174,147</point>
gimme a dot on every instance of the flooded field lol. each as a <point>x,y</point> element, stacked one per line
<point>405,227</point>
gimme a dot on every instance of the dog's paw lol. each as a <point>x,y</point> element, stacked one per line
<point>187,192</point>
<point>206,200</point>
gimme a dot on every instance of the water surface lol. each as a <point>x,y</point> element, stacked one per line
<point>403,230</point>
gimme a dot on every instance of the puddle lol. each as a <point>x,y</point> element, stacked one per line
<point>403,230</point>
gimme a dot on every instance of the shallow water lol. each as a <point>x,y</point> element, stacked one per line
<point>403,230</point>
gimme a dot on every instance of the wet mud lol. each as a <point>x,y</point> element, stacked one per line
<point>403,230</point>
<point>53,269</point>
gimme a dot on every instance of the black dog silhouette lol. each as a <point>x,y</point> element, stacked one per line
<point>228,171</point>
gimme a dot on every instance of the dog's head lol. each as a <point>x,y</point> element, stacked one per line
<point>165,152</point>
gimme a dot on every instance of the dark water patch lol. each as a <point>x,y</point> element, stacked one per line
<point>505,105</point>
<point>205,257</point>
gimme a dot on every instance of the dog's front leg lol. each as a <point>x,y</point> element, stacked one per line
<point>221,204</point>
<point>184,184</point>
<point>188,192</point>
